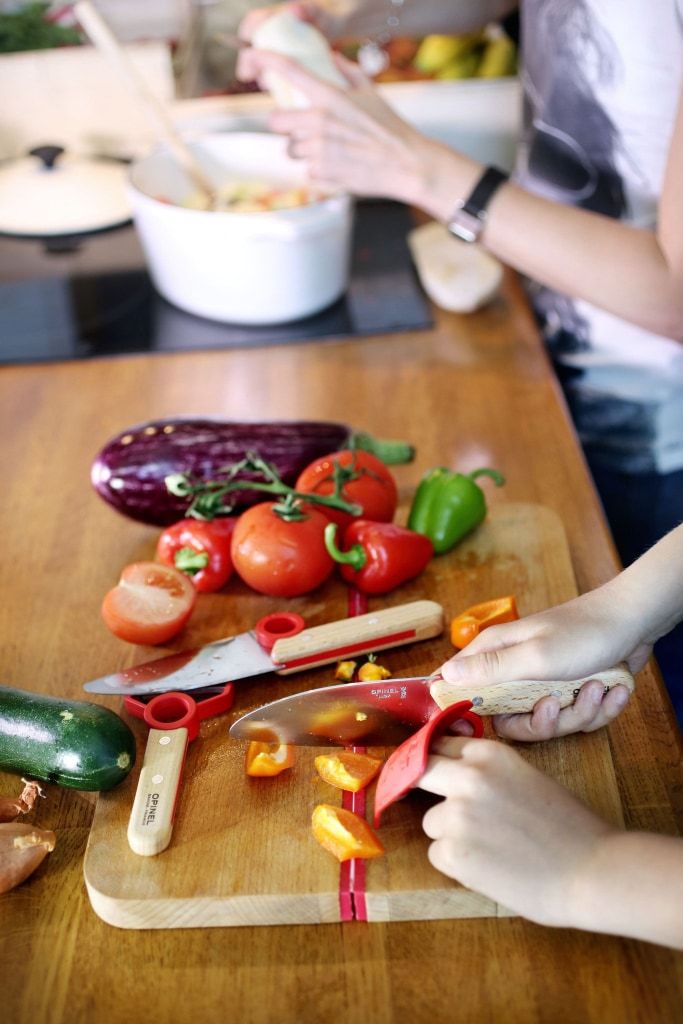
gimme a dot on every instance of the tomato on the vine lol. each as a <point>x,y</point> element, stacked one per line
<point>278,556</point>
<point>365,480</point>
<point>149,604</point>
<point>199,549</point>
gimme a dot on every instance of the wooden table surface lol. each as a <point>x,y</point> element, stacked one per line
<point>473,391</point>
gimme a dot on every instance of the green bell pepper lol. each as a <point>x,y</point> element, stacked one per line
<point>449,505</point>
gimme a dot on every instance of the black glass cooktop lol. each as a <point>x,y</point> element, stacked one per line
<point>98,299</point>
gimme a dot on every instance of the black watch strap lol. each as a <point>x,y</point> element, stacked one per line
<point>483,191</point>
<point>468,220</point>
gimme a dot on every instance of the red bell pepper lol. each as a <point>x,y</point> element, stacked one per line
<point>199,549</point>
<point>378,557</point>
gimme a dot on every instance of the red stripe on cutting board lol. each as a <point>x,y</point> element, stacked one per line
<point>352,905</point>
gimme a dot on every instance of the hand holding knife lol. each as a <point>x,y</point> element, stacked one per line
<point>386,712</point>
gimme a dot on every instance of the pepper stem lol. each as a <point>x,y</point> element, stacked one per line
<point>497,477</point>
<point>355,556</point>
<point>190,561</point>
<point>392,453</point>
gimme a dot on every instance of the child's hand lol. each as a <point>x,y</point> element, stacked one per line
<point>509,832</point>
<point>588,634</point>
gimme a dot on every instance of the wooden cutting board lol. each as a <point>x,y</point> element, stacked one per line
<point>242,851</point>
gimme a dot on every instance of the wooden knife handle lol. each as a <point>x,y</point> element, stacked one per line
<point>151,820</point>
<point>373,631</point>
<point>522,694</point>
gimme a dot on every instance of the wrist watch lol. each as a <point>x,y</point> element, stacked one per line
<point>469,218</point>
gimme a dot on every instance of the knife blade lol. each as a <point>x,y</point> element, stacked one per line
<point>384,713</point>
<point>241,656</point>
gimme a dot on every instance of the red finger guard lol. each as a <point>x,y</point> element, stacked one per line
<point>407,764</point>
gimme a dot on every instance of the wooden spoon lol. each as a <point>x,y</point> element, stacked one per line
<point>103,38</point>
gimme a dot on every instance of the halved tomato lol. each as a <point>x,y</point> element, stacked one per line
<point>149,604</point>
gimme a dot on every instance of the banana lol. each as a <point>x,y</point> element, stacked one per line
<point>436,51</point>
<point>498,59</point>
<point>465,66</point>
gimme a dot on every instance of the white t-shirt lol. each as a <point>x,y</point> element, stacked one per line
<point>602,81</point>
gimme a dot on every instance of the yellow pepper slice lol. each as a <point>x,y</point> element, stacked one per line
<point>345,670</point>
<point>371,671</point>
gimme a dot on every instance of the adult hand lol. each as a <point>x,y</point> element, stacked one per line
<point>352,140</point>
<point>509,832</point>
<point>591,633</point>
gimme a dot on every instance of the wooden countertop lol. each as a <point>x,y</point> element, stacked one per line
<point>473,391</point>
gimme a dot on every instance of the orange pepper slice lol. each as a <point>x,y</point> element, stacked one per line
<point>468,624</point>
<point>344,834</point>
<point>267,759</point>
<point>347,770</point>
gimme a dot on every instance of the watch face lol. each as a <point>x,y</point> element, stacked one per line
<point>465,226</point>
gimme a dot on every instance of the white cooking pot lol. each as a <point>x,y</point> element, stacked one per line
<point>247,268</point>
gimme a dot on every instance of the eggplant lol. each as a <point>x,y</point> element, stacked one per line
<point>129,472</point>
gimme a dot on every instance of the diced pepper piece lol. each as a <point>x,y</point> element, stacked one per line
<point>347,770</point>
<point>468,624</point>
<point>371,671</point>
<point>344,834</point>
<point>345,671</point>
<point>268,759</point>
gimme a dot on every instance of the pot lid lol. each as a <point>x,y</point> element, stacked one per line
<point>50,193</point>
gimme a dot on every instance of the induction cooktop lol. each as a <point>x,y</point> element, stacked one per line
<point>71,301</point>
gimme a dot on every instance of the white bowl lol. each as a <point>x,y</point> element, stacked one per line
<point>247,268</point>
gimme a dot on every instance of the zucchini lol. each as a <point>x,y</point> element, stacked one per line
<point>71,743</point>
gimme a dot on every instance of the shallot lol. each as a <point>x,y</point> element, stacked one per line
<point>22,849</point>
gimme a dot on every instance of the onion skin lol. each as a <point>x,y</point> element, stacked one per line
<point>11,808</point>
<point>130,471</point>
<point>23,848</point>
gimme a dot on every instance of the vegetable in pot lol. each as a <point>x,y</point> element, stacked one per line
<point>447,505</point>
<point>130,471</point>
